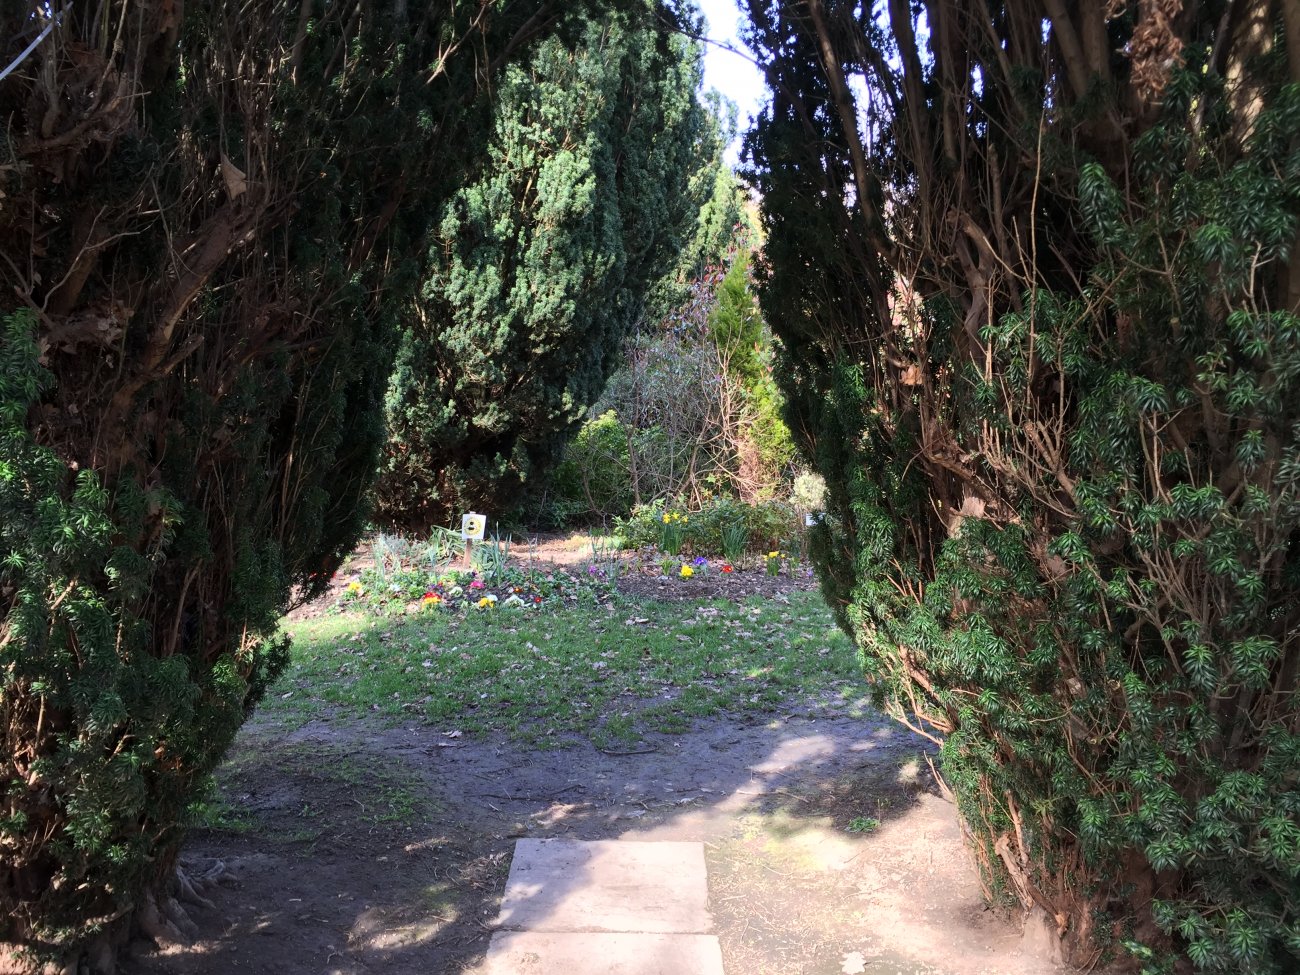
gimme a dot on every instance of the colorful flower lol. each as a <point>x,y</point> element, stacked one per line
<point>687,572</point>
<point>476,584</point>
<point>354,588</point>
<point>431,599</point>
<point>726,567</point>
<point>487,602</point>
<point>666,518</point>
<point>773,555</point>
<point>699,561</point>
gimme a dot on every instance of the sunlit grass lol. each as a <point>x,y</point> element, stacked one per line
<point>609,671</point>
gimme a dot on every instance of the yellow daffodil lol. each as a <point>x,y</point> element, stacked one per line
<point>773,555</point>
<point>687,572</point>
<point>666,518</point>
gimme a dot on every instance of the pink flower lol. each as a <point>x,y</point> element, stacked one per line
<point>476,584</point>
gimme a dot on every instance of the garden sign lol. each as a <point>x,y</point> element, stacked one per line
<point>472,527</point>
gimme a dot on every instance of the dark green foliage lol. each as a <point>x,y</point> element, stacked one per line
<point>79,658</point>
<point>1052,385</point>
<point>592,481</point>
<point>722,219</point>
<point>543,265</point>
<point>211,228</point>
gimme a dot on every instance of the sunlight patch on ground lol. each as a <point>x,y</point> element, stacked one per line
<point>376,929</point>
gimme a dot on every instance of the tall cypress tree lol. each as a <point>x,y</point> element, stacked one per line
<point>542,266</point>
<point>1040,293</point>
<point>212,219</point>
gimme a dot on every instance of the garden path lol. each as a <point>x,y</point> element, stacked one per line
<point>605,907</point>
<point>327,881</point>
<point>357,847</point>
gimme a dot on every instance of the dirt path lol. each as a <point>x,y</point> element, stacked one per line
<point>358,849</point>
<point>355,848</point>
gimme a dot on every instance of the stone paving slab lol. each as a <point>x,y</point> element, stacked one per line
<point>567,953</point>
<point>615,886</point>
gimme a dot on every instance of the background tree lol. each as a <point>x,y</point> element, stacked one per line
<point>1035,267</point>
<point>696,396</point>
<point>691,414</point>
<point>211,224</point>
<point>589,191</point>
<point>760,441</point>
<point>726,211</point>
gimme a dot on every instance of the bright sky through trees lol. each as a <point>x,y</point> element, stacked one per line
<point>735,76</point>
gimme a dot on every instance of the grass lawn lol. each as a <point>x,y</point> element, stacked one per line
<point>609,669</point>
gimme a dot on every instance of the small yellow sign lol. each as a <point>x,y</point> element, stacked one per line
<point>472,527</point>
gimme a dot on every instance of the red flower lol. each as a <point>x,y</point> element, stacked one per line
<point>726,568</point>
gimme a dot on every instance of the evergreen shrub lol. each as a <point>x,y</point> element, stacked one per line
<point>541,267</point>
<point>213,218</point>
<point>1046,354</point>
<point>592,483</point>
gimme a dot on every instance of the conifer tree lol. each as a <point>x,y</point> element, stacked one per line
<point>542,266</point>
<point>1036,270</point>
<point>213,218</point>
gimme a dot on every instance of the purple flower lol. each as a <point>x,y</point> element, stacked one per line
<point>592,570</point>
<point>700,561</point>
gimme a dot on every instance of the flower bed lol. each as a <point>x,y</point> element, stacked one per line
<point>412,591</point>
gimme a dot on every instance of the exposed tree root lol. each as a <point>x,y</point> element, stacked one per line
<point>158,924</point>
<point>164,919</point>
<point>160,917</point>
<point>190,890</point>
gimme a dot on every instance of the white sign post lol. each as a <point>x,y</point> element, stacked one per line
<point>472,527</point>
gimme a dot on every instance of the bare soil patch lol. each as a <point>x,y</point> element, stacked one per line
<point>647,582</point>
<point>356,849</point>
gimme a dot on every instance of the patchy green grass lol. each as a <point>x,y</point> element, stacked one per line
<point>609,671</point>
<point>215,811</point>
<point>310,789</point>
<point>863,824</point>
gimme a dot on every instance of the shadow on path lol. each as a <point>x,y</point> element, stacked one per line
<point>357,849</point>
